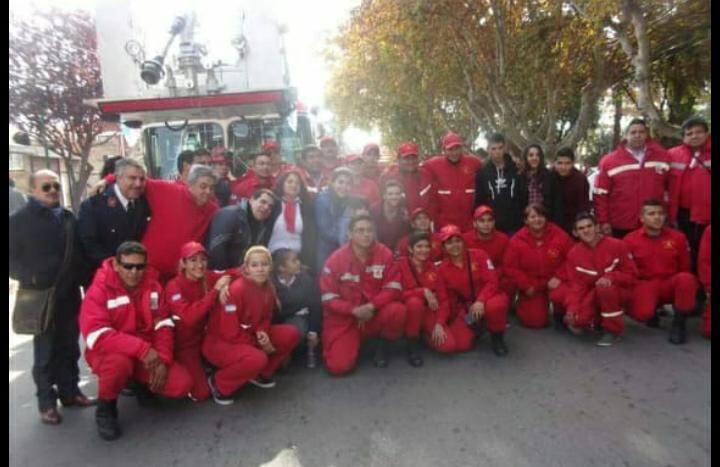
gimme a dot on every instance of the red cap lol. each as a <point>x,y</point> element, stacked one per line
<point>482,210</point>
<point>350,158</point>
<point>407,149</point>
<point>370,146</point>
<point>448,232</point>
<point>270,146</point>
<point>190,249</point>
<point>418,211</point>
<point>218,154</point>
<point>452,140</point>
<point>327,139</point>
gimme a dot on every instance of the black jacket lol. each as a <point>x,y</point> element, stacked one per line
<point>222,192</point>
<point>36,240</point>
<point>507,200</point>
<point>103,224</point>
<point>232,231</point>
<point>302,293</point>
<point>309,233</point>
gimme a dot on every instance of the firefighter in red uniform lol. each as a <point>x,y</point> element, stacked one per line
<point>534,263</point>
<point>601,275</point>
<point>190,296</point>
<point>260,176</point>
<point>414,178</point>
<point>425,298</point>
<point>472,285</point>
<point>662,257</point>
<point>704,270</point>
<point>129,334</point>
<point>420,220</point>
<point>452,178</point>
<point>361,296</point>
<point>637,170</point>
<point>691,181</point>
<point>241,342</point>
<point>487,238</point>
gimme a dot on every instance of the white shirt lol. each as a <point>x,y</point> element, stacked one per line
<point>281,238</point>
<point>123,200</point>
<point>639,154</point>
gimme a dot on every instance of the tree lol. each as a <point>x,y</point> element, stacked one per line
<point>53,68</point>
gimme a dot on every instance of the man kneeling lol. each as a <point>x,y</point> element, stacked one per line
<point>129,335</point>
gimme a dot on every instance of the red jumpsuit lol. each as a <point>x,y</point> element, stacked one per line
<point>452,191</point>
<point>231,343</point>
<point>461,297</point>
<point>532,262</point>
<point>704,275</point>
<point>622,185</point>
<point>663,265</point>
<point>417,185</point>
<point>346,283</point>
<point>436,248</point>
<point>190,303</point>
<point>609,259</point>
<point>419,315</point>
<point>121,326</point>
<point>246,186</point>
<point>691,185</point>
<point>495,248</point>
<point>176,220</point>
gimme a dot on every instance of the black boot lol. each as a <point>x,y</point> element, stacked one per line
<point>677,330</point>
<point>145,397</point>
<point>653,322</point>
<point>413,352</point>
<point>106,419</point>
<point>381,359</point>
<point>559,321</point>
<point>498,344</point>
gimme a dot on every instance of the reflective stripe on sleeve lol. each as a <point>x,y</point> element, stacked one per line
<point>329,296</point>
<point>624,168</point>
<point>586,271</point>
<point>600,191</point>
<point>165,323</point>
<point>424,191</point>
<point>393,285</point>
<point>93,336</point>
<point>614,263</point>
<point>612,314</point>
<point>678,165</point>
<point>444,192</point>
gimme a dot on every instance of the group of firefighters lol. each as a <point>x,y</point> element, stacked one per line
<point>422,255</point>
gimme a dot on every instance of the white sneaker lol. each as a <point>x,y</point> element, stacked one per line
<point>217,396</point>
<point>263,382</point>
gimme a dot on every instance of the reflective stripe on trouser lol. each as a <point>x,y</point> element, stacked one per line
<point>191,359</point>
<point>608,300</point>
<point>115,370</point>
<point>679,290</point>
<point>342,340</point>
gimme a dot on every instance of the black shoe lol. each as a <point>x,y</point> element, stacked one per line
<point>498,344</point>
<point>653,322</point>
<point>145,397</point>
<point>381,359</point>
<point>107,420</point>
<point>677,330</point>
<point>78,400</point>
<point>413,352</point>
<point>559,321</point>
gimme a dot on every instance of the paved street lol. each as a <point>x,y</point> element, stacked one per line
<point>554,401</point>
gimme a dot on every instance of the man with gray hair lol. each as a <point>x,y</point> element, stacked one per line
<point>120,213</point>
<point>44,254</point>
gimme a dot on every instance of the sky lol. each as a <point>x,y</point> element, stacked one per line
<point>309,25</point>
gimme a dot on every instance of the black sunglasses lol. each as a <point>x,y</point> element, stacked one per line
<point>48,186</point>
<point>130,266</point>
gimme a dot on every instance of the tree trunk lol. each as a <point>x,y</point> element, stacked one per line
<point>618,101</point>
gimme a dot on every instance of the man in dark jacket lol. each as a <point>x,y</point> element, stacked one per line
<point>500,185</point>
<point>570,194</point>
<point>236,228</point>
<point>119,214</point>
<point>38,239</point>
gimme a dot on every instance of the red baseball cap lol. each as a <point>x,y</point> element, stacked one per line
<point>448,232</point>
<point>369,147</point>
<point>452,140</point>
<point>350,158</point>
<point>270,146</point>
<point>407,149</point>
<point>482,210</point>
<point>417,211</point>
<point>190,249</point>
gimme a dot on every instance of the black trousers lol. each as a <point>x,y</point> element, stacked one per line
<point>56,354</point>
<point>693,232</point>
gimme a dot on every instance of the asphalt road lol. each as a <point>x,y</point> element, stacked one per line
<point>556,400</point>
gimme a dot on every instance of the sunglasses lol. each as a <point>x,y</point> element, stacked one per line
<point>131,266</point>
<point>50,186</point>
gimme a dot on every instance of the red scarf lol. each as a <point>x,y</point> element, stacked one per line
<point>289,213</point>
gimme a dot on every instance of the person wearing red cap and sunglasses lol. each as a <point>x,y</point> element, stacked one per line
<point>474,293</point>
<point>413,177</point>
<point>420,221</point>
<point>190,296</point>
<point>128,331</point>
<point>452,179</point>
<point>534,264</point>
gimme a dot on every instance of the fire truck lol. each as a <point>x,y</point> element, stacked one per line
<point>181,99</point>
